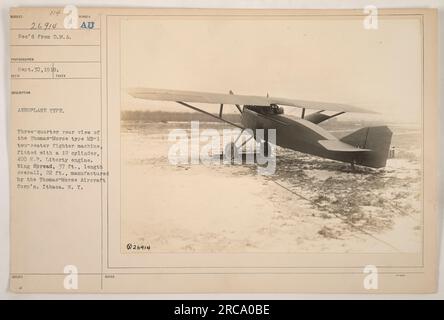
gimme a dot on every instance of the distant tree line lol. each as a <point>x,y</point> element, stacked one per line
<point>163,116</point>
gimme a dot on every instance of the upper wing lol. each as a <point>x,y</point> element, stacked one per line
<point>220,98</point>
<point>318,105</point>
<point>193,96</point>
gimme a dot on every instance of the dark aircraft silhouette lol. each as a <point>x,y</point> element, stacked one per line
<point>367,146</point>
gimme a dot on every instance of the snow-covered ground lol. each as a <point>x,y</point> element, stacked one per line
<point>309,205</point>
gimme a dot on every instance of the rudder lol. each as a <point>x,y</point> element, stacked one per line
<point>377,139</point>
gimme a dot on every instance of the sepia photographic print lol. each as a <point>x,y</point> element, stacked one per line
<point>224,151</point>
<point>272,169</point>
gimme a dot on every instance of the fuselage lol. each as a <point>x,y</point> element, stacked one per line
<point>296,134</point>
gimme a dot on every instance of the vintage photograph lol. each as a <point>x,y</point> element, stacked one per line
<point>223,151</point>
<point>271,135</point>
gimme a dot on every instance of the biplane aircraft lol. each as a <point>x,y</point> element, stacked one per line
<point>367,146</point>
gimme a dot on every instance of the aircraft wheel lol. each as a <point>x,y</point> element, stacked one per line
<point>231,151</point>
<point>265,148</point>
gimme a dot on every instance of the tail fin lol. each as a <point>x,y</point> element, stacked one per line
<point>377,139</point>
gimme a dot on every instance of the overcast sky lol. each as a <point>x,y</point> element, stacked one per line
<point>331,59</point>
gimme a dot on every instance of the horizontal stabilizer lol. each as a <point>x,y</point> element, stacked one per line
<point>337,145</point>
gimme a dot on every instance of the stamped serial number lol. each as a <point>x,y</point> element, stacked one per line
<point>138,247</point>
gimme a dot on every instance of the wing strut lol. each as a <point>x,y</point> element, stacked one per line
<point>209,114</point>
<point>237,106</point>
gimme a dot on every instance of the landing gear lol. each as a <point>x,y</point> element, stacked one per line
<point>265,145</point>
<point>264,148</point>
<point>353,166</point>
<point>231,151</point>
